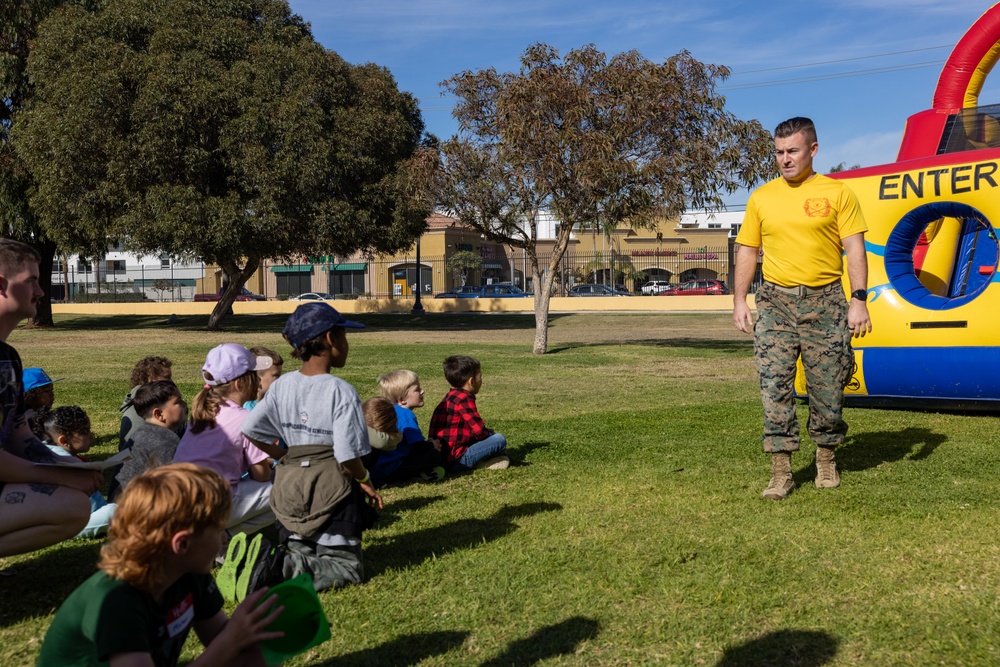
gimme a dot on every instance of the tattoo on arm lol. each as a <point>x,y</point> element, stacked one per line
<point>14,498</point>
<point>47,489</point>
<point>36,452</point>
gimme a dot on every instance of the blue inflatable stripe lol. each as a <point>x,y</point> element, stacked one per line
<point>933,372</point>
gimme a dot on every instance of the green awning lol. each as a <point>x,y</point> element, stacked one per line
<point>292,268</point>
<point>357,266</point>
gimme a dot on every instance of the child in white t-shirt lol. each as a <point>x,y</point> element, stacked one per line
<point>66,431</point>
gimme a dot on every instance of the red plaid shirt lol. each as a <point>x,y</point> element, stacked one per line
<point>457,424</point>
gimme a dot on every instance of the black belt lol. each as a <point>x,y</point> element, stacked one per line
<point>803,290</point>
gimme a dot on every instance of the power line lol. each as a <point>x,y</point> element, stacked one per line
<point>843,60</point>
<point>890,69</point>
<point>833,75</point>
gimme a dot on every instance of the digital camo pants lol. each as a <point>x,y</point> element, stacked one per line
<point>814,326</point>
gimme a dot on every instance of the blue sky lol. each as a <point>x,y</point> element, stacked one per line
<point>882,57</point>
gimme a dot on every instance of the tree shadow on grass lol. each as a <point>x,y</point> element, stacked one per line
<point>401,651</point>
<point>43,581</point>
<point>783,648</point>
<point>414,548</point>
<point>519,455</point>
<point>548,642</point>
<point>274,322</point>
<point>725,346</point>
<point>393,511</point>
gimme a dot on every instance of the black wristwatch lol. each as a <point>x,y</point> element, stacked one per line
<point>860,294</point>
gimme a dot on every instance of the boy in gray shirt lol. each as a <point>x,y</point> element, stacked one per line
<point>322,494</point>
<point>154,440</point>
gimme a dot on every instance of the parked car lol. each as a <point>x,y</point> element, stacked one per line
<point>312,296</point>
<point>591,289</point>
<point>654,287</point>
<point>494,291</point>
<point>244,295</point>
<point>697,288</point>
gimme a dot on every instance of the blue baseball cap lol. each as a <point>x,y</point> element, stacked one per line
<point>36,377</point>
<point>313,319</point>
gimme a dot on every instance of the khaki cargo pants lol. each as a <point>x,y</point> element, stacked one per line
<point>815,326</point>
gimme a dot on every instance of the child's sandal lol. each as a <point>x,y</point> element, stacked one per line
<point>226,579</point>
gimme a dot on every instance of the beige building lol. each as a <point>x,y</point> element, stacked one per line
<point>697,246</point>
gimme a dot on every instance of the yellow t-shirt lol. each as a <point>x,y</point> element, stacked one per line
<point>800,227</point>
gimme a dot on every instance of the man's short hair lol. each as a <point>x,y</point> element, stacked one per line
<point>154,395</point>
<point>459,369</point>
<point>794,125</point>
<point>14,255</point>
<point>394,385</point>
<point>155,506</point>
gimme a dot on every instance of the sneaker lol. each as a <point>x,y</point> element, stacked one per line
<point>265,570</point>
<point>495,463</point>
<point>435,474</point>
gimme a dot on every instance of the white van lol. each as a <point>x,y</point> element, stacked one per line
<point>655,286</point>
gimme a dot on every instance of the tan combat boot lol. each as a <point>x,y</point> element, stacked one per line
<point>781,477</point>
<point>827,476</point>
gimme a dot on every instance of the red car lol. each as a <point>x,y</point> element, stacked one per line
<point>697,288</point>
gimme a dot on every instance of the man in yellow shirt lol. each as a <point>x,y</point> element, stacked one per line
<point>805,222</point>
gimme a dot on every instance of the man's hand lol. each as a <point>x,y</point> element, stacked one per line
<point>83,480</point>
<point>742,317</point>
<point>858,319</point>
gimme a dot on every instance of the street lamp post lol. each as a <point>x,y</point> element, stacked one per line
<point>418,309</point>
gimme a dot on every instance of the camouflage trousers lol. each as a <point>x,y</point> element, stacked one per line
<point>815,327</point>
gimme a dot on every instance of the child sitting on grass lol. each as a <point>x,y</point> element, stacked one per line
<point>38,391</point>
<point>321,485</point>
<point>153,442</point>
<point>155,583</point>
<point>214,438</point>
<point>277,449</point>
<point>414,456</point>
<point>149,369</point>
<point>383,434</point>
<point>266,376</point>
<point>66,431</point>
<point>467,443</point>
<point>145,371</point>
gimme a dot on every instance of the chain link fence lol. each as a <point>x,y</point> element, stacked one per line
<point>396,277</point>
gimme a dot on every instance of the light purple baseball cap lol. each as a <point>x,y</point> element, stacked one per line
<point>228,361</point>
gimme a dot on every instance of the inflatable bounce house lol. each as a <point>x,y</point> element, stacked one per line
<point>934,290</point>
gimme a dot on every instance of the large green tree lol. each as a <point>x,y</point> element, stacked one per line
<point>221,130</point>
<point>611,142</point>
<point>18,27</point>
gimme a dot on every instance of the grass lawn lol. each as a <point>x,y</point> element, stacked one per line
<point>630,527</point>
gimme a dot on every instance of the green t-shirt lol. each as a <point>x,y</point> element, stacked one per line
<point>105,616</point>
